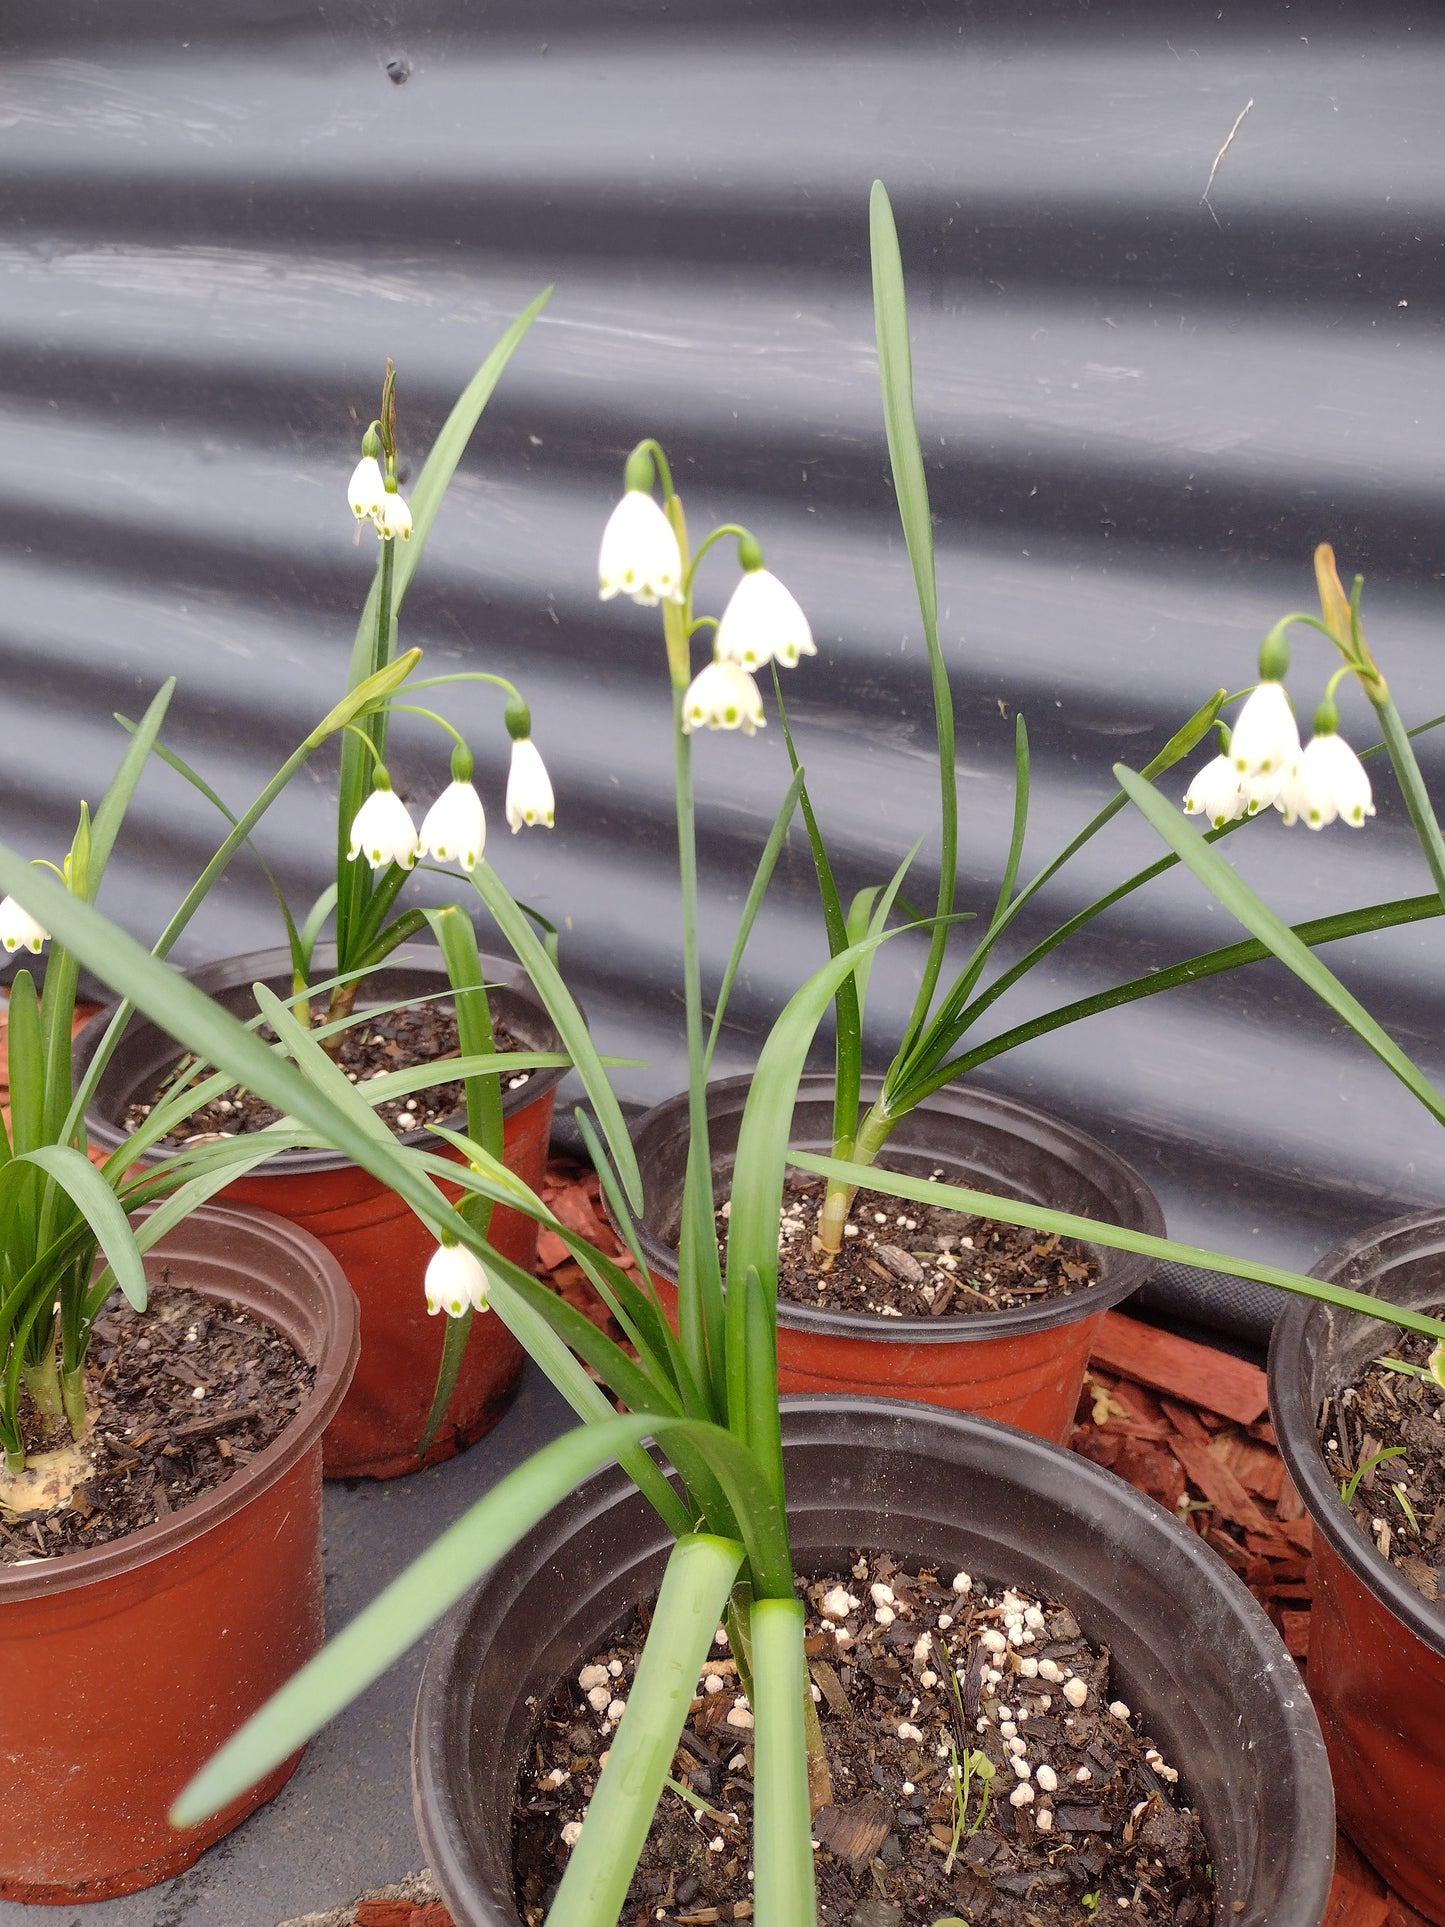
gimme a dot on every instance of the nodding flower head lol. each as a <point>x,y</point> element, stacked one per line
<point>722,696</point>
<point>18,929</point>
<point>763,623</point>
<point>367,488</point>
<point>454,829</point>
<point>1330,782</point>
<point>393,517</point>
<point>639,556</point>
<point>1215,792</point>
<point>1265,742</point>
<point>529,788</point>
<point>383,831</point>
<point>455,1282</point>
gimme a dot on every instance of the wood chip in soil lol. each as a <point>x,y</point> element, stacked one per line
<point>906,1260</point>
<point>1398,1501</point>
<point>182,1396</point>
<point>390,1040</point>
<point>1105,1817</point>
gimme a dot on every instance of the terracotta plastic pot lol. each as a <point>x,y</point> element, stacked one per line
<point>122,1669</point>
<point>1026,1366</point>
<point>382,1247</point>
<point>1190,1647</point>
<point>1377,1646</point>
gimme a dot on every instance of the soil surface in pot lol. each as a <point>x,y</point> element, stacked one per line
<point>391,1040</point>
<point>1090,1818</point>
<point>901,1259</point>
<point>181,1396</point>
<point>1398,1502</point>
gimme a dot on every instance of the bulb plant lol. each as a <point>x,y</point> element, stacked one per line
<point>1265,765</point>
<point>706,1394</point>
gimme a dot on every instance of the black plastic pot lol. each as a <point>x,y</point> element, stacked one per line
<point>1377,1645</point>
<point>378,1241</point>
<point>1025,1366</point>
<point>1191,1648</point>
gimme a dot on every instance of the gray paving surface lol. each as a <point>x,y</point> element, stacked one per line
<point>343,1823</point>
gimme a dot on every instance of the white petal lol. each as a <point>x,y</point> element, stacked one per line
<point>1332,782</point>
<point>639,555</point>
<point>383,831</point>
<point>454,829</point>
<point>529,788</point>
<point>1266,737</point>
<point>366,488</point>
<point>455,1282</point>
<point>393,517</point>
<point>763,623</point>
<point>18,929</point>
<point>1215,792</point>
<point>722,696</point>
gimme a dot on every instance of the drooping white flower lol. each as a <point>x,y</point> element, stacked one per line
<point>722,696</point>
<point>763,623</point>
<point>1215,792</point>
<point>18,929</point>
<point>454,829</point>
<point>367,488</point>
<point>382,829</point>
<point>393,517</point>
<point>1266,737</point>
<point>455,1282</point>
<point>639,556</point>
<point>529,788</point>
<point>1330,782</point>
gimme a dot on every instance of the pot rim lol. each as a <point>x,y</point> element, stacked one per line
<point>274,964</point>
<point>1134,1268</point>
<point>337,1353</point>
<point>1294,1424</point>
<point>1041,1466</point>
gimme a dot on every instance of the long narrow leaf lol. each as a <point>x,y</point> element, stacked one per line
<point>1230,889</point>
<point>757,890</point>
<point>782,1842</point>
<point>599,1871</point>
<point>1067,1224</point>
<point>96,1202</point>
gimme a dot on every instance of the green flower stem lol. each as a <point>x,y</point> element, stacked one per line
<point>1412,786</point>
<point>716,535</point>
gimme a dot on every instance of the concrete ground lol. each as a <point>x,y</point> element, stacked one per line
<point>342,1824</point>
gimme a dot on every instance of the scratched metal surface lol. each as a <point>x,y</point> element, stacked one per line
<point>1139,410</point>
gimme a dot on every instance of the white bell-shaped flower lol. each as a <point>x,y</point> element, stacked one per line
<point>18,929</point>
<point>1330,782</point>
<point>367,488</point>
<point>393,517</point>
<point>1265,741</point>
<point>722,696</point>
<point>383,831</point>
<point>639,556</point>
<point>455,1282</point>
<point>763,623</point>
<point>454,829</point>
<point>1215,793</point>
<point>529,788</point>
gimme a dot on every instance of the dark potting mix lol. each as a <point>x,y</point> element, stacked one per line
<point>391,1040</point>
<point>1383,1441</point>
<point>905,1260</point>
<point>982,1768</point>
<point>181,1396</point>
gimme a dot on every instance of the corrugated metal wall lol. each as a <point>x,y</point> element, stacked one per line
<point>1139,411</point>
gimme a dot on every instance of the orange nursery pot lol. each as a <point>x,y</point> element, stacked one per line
<point>1377,1645</point>
<point>124,1667</point>
<point>1025,1366</point>
<point>381,1246</point>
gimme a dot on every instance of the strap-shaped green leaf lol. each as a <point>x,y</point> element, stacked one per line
<point>96,1202</point>
<point>782,1830</point>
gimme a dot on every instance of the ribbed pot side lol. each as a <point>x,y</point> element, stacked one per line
<point>123,1668</point>
<point>379,1243</point>
<point>1377,1646</point>
<point>1024,1366</point>
<point>1192,1651</point>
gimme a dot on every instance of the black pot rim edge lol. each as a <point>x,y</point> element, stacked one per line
<point>1295,1431</point>
<point>253,965</point>
<point>1134,1269</point>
